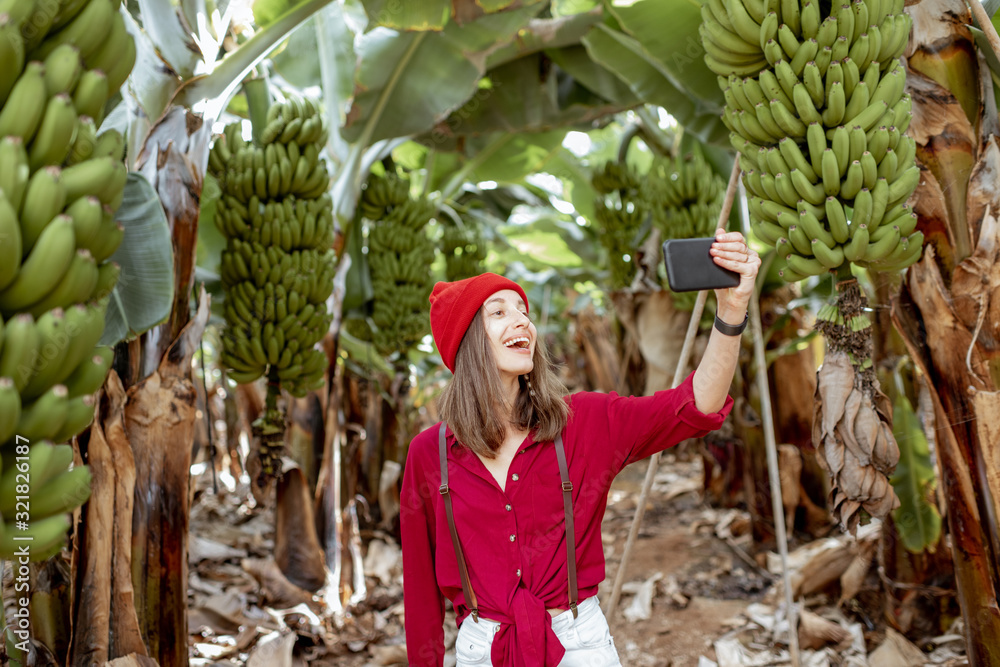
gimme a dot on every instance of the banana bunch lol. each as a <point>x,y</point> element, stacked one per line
<point>464,250</point>
<point>277,268</point>
<point>399,256</point>
<point>817,110</point>
<point>40,478</point>
<point>620,210</point>
<point>275,170</point>
<point>685,197</point>
<point>61,184</point>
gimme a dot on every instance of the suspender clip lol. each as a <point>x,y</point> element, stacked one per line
<point>475,614</point>
<point>567,486</point>
<point>572,606</point>
<point>443,489</point>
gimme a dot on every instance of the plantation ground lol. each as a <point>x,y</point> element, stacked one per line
<point>709,584</point>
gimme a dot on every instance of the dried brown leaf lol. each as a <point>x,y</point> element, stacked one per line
<point>866,429</point>
<point>278,591</point>
<point>833,455</point>
<point>815,632</point>
<point>896,650</point>
<point>834,384</point>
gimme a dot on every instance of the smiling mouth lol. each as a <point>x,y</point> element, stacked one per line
<point>517,343</point>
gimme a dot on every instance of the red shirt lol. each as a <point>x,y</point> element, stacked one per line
<point>515,540</point>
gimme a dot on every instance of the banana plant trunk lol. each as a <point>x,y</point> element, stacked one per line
<point>173,159</point>
<point>944,311</point>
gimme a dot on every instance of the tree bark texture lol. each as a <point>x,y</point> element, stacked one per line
<point>947,311</point>
<point>173,159</point>
<point>104,589</point>
<point>159,424</point>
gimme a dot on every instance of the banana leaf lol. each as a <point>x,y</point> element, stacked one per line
<point>162,23</point>
<point>145,290</point>
<point>917,518</point>
<point>667,31</point>
<point>526,95</point>
<point>571,7</point>
<point>417,16</point>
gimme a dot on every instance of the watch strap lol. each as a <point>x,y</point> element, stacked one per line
<point>731,329</point>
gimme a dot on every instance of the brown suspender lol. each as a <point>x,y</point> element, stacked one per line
<point>470,597</point>
<point>567,487</point>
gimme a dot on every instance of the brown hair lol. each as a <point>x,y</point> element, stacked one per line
<point>472,404</point>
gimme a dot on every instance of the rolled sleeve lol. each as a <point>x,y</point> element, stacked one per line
<point>673,419</point>
<point>688,412</point>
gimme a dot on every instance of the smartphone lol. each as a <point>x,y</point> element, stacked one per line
<point>690,267</point>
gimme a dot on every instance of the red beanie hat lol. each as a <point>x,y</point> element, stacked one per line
<point>453,305</point>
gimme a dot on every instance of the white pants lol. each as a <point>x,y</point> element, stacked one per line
<point>587,639</point>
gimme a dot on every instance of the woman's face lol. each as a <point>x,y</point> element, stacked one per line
<point>510,332</point>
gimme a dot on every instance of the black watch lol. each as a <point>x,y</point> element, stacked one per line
<point>731,329</point>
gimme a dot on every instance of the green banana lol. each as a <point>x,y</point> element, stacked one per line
<point>837,220</point>
<point>63,68</point>
<point>863,204</point>
<point>43,200</point>
<point>86,31</point>
<point>814,229</point>
<point>904,185</point>
<point>83,143</point>
<point>806,53</point>
<point>855,249</point>
<point>110,238</point>
<point>800,241</point>
<point>10,409</point>
<point>79,415</point>
<point>68,9</point>
<point>38,24</point>
<point>53,343</point>
<point>107,278</point>
<point>10,243</point>
<point>91,177</point>
<point>114,48</point>
<point>879,250</point>
<point>47,535</point>
<point>826,34</point>
<point>91,94</point>
<point>806,266</point>
<point>853,180</point>
<point>830,257</point>
<point>807,190</point>
<point>63,494</point>
<point>787,121</point>
<point>75,287</point>
<point>887,166</point>
<point>809,19</point>
<point>11,55</point>
<point>87,214</point>
<point>830,173</point>
<point>804,105</point>
<point>785,189</point>
<point>845,22</point>
<point>14,170</point>
<point>43,417</point>
<point>22,112</point>
<point>43,268</point>
<point>20,348</point>
<point>89,375</point>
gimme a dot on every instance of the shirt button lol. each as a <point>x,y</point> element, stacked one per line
<point>509,507</point>
<point>519,572</point>
<point>514,477</point>
<point>511,538</point>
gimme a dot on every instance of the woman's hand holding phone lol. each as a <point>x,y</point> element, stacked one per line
<point>731,251</point>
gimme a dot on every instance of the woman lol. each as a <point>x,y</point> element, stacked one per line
<point>490,494</point>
